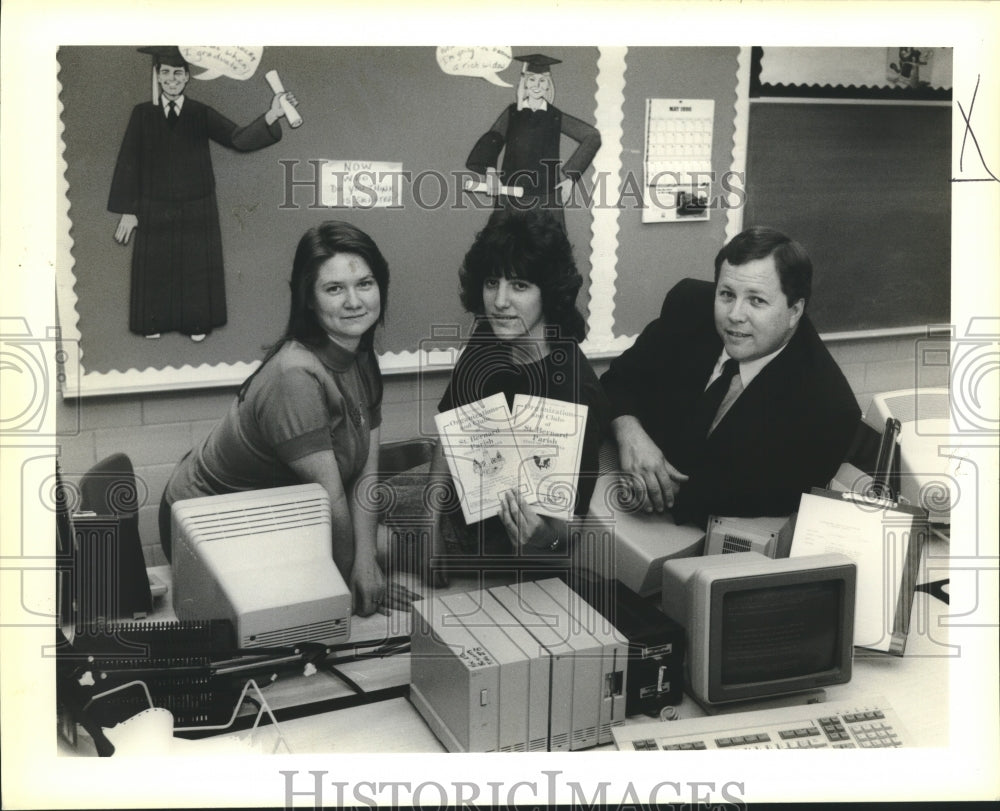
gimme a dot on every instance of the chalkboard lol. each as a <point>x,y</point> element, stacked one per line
<point>866,189</point>
<point>389,104</point>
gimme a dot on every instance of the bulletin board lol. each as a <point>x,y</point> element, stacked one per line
<point>864,187</point>
<point>653,257</point>
<point>386,104</point>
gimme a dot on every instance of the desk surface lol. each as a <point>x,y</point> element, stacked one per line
<point>915,685</point>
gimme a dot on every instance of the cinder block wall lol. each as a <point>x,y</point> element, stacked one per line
<point>155,430</point>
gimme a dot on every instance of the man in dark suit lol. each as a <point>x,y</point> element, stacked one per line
<point>164,188</point>
<point>744,437</point>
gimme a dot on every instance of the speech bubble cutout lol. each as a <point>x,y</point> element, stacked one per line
<point>234,61</point>
<point>484,62</point>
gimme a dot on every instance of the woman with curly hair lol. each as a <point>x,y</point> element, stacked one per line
<point>520,280</point>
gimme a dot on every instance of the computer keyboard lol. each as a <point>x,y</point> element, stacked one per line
<point>870,724</point>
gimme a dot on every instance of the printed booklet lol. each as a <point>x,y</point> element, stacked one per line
<point>533,449</point>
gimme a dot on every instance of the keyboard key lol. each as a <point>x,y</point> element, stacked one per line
<point>841,725</point>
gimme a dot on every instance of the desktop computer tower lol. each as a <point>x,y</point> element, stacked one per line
<point>514,713</point>
<point>539,670</point>
<point>454,681</point>
<point>478,678</point>
<point>528,667</point>
<point>552,644</point>
<point>587,661</point>
<point>655,645</point>
<point>656,655</point>
<point>614,649</point>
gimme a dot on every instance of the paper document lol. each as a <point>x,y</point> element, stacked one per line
<point>549,435</point>
<point>534,451</point>
<point>884,541</point>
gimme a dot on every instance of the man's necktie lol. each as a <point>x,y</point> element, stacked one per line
<point>171,112</point>
<point>708,405</point>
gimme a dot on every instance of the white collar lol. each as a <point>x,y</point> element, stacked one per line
<point>179,101</point>
<point>523,105</point>
<point>749,369</point>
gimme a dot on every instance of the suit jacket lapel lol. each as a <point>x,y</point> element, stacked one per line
<point>772,378</point>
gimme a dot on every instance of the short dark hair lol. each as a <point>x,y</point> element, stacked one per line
<point>316,246</point>
<point>172,62</point>
<point>790,258</point>
<point>530,245</point>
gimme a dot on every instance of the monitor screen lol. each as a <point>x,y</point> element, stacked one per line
<point>779,632</point>
<point>759,627</point>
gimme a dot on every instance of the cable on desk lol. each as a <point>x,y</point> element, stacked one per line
<point>313,650</point>
<point>377,653</point>
<point>307,653</point>
<point>333,670</point>
<point>391,647</point>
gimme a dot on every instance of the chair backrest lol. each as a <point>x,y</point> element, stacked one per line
<point>109,487</point>
<point>110,579</point>
<point>406,454</point>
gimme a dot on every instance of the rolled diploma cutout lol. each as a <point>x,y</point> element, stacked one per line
<point>294,119</point>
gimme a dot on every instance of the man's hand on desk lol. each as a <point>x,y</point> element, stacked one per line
<point>641,459</point>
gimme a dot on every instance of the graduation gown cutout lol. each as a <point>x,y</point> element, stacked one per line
<point>164,176</point>
<point>530,142</point>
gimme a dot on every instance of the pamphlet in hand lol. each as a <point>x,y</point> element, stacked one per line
<point>549,434</point>
<point>533,450</point>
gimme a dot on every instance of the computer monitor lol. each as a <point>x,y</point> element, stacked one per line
<point>261,559</point>
<point>759,627</point>
<point>620,542</point>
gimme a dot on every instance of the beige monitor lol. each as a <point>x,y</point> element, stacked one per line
<point>631,546</point>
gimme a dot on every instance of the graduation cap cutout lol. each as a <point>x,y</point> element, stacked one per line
<point>537,63</point>
<point>163,55</point>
